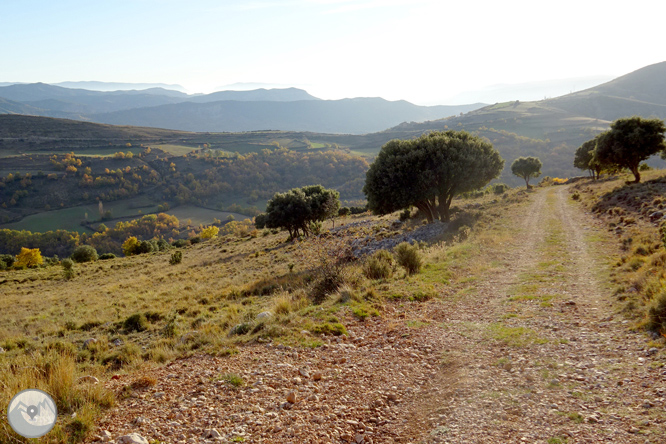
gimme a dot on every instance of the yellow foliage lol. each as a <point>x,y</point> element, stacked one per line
<point>239,229</point>
<point>29,257</point>
<point>209,232</point>
<point>129,246</point>
<point>558,181</point>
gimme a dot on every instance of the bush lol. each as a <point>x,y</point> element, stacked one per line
<point>84,253</point>
<point>7,260</point>
<point>405,215</point>
<point>176,257</point>
<point>500,188</point>
<point>358,210</point>
<point>330,279</point>
<point>130,245</point>
<point>408,257</point>
<point>260,221</point>
<point>29,257</point>
<point>160,245</point>
<point>657,314</point>
<point>67,268</point>
<point>106,256</point>
<point>195,240</point>
<point>180,243</point>
<point>344,211</point>
<point>379,265</point>
<point>136,322</point>
<point>145,247</point>
<point>209,232</point>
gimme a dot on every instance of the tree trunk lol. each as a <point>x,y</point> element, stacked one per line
<point>637,174</point>
<point>425,209</point>
<point>527,182</point>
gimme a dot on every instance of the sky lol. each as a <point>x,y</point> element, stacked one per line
<point>423,51</point>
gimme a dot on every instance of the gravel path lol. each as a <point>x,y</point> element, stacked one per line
<point>533,353</point>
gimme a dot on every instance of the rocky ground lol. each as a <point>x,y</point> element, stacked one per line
<point>532,352</point>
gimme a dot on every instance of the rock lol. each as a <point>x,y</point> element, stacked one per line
<point>132,438</point>
<point>359,438</point>
<point>304,373</point>
<point>317,376</point>
<point>140,420</point>
<point>87,342</point>
<point>652,351</point>
<point>264,315</point>
<point>158,395</point>
<point>2,350</point>
<point>656,215</point>
<point>212,434</point>
<point>118,342</point>
<point>291,397</point>
<point>105,436</point>
<point>88,378</point>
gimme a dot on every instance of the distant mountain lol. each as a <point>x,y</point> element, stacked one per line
<point>82,101</point>
<point>355,116</point>
<point>57,101</point>
<point>256,95</point>
<point>527,91</point>
<point>11,107</point>
<point>119,86</point>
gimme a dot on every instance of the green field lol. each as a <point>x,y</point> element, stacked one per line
<point>176,150</point>
<point>201,216</point>
<point>70,218</point>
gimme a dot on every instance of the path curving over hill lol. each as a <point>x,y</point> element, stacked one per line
<point>539,354</point>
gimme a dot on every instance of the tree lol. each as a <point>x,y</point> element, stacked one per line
<point>130,246</point>
<point>29,257</point>
<point>84,253</point>
<point>428,172</point>
<point>584,158</point>
<point>526,167</point>
<point>296,209</point>
<point>209,232</point>
<point>630,141</point>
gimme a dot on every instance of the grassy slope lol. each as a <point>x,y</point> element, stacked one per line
<point>194,305</point>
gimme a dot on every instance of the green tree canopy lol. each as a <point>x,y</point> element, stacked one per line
<point>296,209</point>
<point>526,167</point>
<point>630,141</point>
<point>584,158</point>
<point>429,172</point>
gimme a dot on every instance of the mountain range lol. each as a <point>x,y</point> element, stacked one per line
<point>290,109</point>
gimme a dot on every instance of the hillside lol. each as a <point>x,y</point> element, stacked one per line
<point>301,343</point>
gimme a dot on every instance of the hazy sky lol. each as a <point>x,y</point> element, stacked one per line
<point>418,50</point>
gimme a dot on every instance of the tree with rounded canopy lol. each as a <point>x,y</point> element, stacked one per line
<point>526,167</point>
<point>630,141</point>
<point>29,257</point>
<point>584,158</point>
<point>296,209</point>
<point>428,172</point>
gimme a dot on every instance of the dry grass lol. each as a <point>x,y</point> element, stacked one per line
<point>142,310</point>
<point>639,273</point>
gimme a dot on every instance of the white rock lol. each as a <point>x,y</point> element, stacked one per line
<point>88,378</point>
<point>212,434</point>
<point>132,438</point>
<point>264,315</point>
